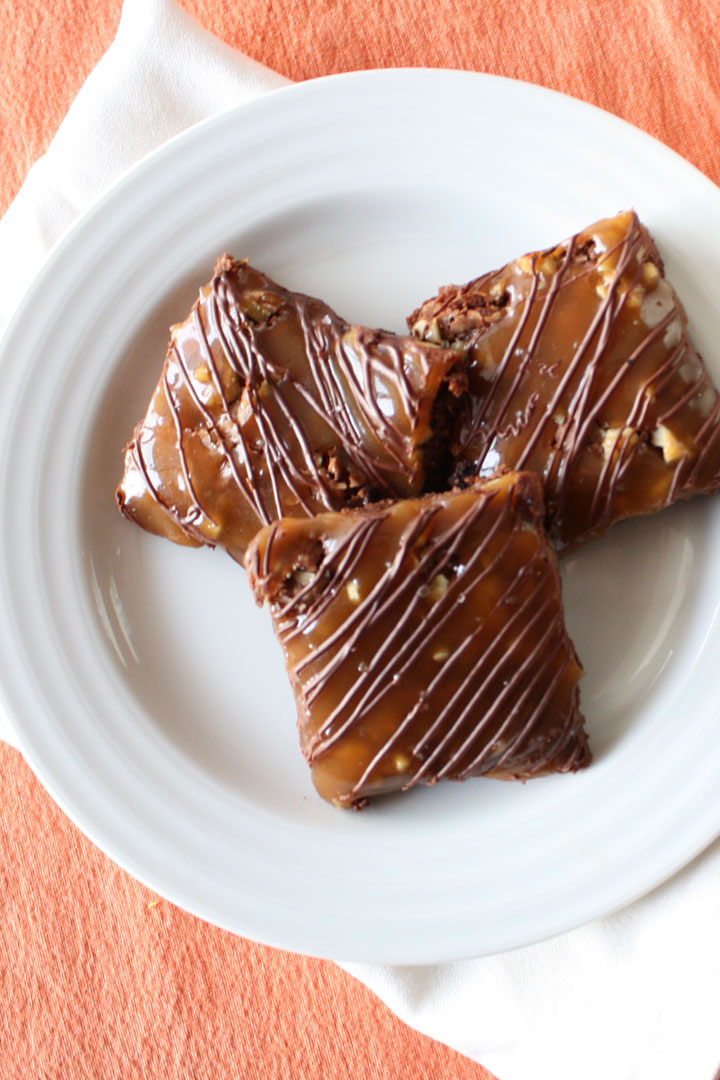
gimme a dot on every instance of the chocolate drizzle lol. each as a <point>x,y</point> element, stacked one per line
<point>582,371</point>
<point>269,405</point>
<point>425,640</point>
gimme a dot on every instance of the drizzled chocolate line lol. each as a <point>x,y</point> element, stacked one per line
<point>248,488</point>
<point>376,682</point>
<point>446,667</point>
<point>682,402</point>
<point>530,352</point>
<point>520,737</point>
<point>139,459</point>
<point>288,452</point>
<point>562,462</point>
<point>337,566</point>
<point>336,413</point>
<point>545,750</point>
<point>366,400</point>
<point>582,412</point>
<point>175,412</point>
<point>552,294</point>
<point>481,688</point>
<point>239,336</point>
<point>377,602</point>
<point>605,319</point>
<point>257,371</point>
<point>537,675</point>
<point>620,461</point>
<point>711,424</point>
<point>235,348</point>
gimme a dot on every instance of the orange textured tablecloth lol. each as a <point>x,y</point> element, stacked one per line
<point>99,978</point>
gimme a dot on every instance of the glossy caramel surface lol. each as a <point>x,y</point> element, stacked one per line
<point>582,371</point>
<point>425,640</point>
<point>270,405</point>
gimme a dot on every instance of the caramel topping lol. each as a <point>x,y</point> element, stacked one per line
<point>425,640</point>
<point>269,405</point>
<point>582,371</point>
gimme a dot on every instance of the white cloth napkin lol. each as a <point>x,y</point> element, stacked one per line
<point>635,996</point>
<point>162,74</point>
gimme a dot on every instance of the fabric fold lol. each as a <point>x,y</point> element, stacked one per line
<point>162,74</point>
<point>632,996</point>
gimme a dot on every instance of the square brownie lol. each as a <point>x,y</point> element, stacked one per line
<point>581,370</point>
<point>424,640</point>
<point>270,405</point>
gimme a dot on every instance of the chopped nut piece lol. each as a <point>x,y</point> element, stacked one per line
<point>671,447</point>
<point>434,334</point>
<point>650,275</point>
<point>548,265</point>
<point>438,587</point>
<point>608,262</point>
<point>615,439</point>
<point>441,654</point>
<point>430,331</point>
<point>353,591</point>
<point>635,297</point>
<point>260,304</point>
<point>245,409</point>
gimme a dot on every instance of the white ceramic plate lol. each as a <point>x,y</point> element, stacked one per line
<point>148,691</point>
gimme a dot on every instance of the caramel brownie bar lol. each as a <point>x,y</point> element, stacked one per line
<point>581,370</point>
<point>425,640</point>
<point>271,405</point>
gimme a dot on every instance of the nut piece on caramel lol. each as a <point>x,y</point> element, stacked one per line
<point>581,370</point>
<point>270,405</point>
<point>424,640</point>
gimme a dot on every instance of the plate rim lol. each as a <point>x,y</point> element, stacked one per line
<point>15,330</point>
